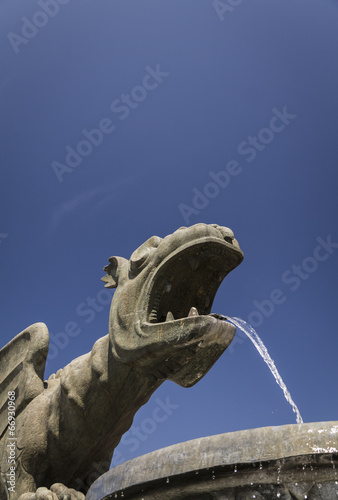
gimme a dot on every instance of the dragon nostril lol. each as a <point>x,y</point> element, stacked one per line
<point>228,239</point>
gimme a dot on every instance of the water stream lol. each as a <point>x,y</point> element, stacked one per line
<point>258,343</point>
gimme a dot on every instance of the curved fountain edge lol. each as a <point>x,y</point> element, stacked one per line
<point>240,447</point>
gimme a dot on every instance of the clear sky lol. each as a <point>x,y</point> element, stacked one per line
<point>208,112</point>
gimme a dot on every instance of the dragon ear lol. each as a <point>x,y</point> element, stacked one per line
<point>139,258</point>
<point>112,270</point>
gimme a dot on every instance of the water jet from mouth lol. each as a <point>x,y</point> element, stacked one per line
<point>258,343</point>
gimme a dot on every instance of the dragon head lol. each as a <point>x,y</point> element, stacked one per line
<point>160,317</point>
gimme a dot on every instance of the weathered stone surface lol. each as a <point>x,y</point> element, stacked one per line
<point>67,430</point>
<point>299,490</point>
<point>287,462</point>
<point>324,491</point>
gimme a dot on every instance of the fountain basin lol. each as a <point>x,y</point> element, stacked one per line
<point>290,462</point>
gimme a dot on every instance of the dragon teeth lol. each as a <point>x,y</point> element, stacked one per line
<point>170,316</point>
<point>193,312</point>
<point>153,316</point>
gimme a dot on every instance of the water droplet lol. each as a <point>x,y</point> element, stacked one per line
<point>260,466</point>
<point>278,495</point>
<point>196,472</point>
<point>122,494</point>
<point>235,469</point>
<point>167,480</point>
<point>213,477</point>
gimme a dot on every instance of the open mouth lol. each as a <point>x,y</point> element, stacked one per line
<point>186,284</point>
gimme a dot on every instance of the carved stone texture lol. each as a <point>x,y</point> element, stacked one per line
<point>290,462</point>
<point>160,328</point>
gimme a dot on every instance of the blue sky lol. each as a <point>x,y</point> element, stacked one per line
<point>249,91</point>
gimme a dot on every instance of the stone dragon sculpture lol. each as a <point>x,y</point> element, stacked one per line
<point>160,328</point>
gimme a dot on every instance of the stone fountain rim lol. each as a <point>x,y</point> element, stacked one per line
<point>247,446</point>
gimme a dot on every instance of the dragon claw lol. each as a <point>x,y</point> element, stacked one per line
<point>56,492</point>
